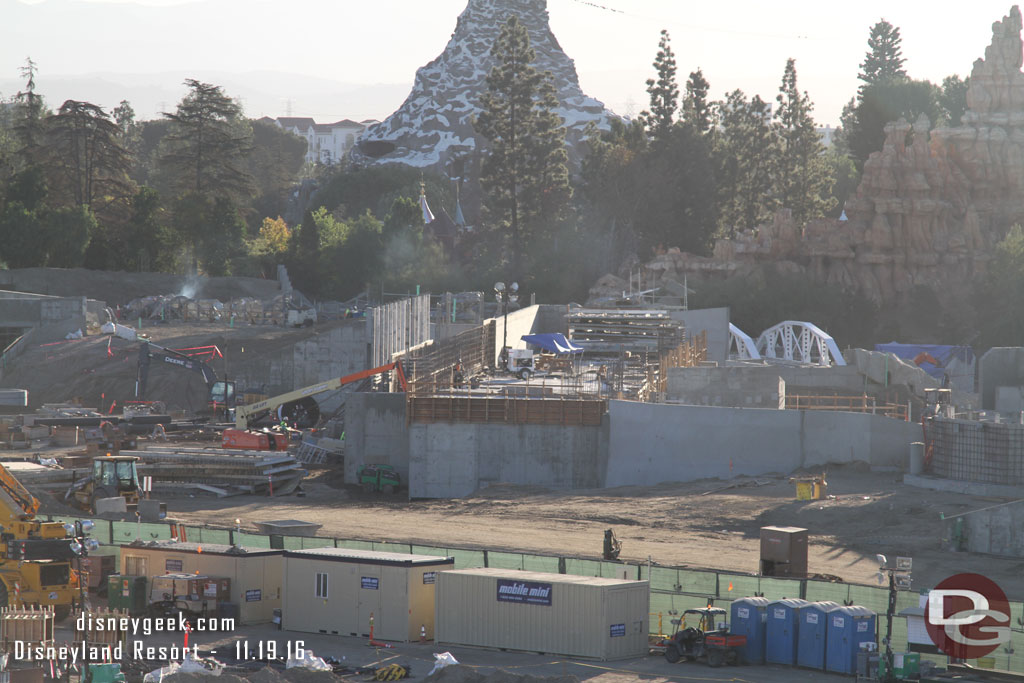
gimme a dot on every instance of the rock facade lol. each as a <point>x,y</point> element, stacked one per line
<point>434,125</point>
<point>930,208</point>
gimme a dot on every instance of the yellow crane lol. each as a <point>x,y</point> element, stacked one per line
<point>35,556</point>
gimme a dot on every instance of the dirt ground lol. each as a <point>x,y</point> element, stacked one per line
<point>673,524</point>
<point>83,369</point>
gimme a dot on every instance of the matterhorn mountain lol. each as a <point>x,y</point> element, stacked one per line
<point>434,125</point>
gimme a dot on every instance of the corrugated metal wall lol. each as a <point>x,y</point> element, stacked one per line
<point>398,326</point>
<point>538,612</point>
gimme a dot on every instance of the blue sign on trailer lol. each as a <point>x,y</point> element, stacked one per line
<point>781,629</point>
<point>747,618</point>
<point>848,627</point>
<point>813,631</point>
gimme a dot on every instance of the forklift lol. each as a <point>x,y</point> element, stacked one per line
<point>709,639</point>
<point>379,479</point>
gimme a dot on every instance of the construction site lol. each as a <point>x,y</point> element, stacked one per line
<point>649,450</point>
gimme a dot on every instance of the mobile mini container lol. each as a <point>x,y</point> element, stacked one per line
<point>813,632</point>
<point>255,573</point>
<point>342,592</point>
<point>747,618</point>
<point>576,616</point>
<point>781,629</point>
<point>848,627</point>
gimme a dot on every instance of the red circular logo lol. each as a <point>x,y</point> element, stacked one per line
<point>967,616</point>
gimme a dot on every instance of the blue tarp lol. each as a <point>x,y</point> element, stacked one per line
<point>553,341</point>
<point>924,354</point>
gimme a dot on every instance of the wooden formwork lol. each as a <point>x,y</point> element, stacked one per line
<point>32,626</point>
<point>103,627</point>
<point>582,412</point>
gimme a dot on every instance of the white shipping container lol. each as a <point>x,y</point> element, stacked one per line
<point>578,616</point>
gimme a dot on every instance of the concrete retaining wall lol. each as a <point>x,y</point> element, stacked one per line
<point>452,460</point>
<point>34,310</point>
<point>996,530</point>
<point>714,321</point>
<point>339,349</point>
<point>519,323</point>
<point>1000,366</point>
<point>733,386</point>
<point>375,433</point>
<point>650,444</point>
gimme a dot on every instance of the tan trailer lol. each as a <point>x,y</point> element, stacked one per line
<point>336,590</point>
<point>255,573</point>
<point>577,616</point>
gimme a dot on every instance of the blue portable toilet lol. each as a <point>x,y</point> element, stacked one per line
<point>848,627</point>
<point>781,629</point>
<point>747,618</point>
<point>810,649</point>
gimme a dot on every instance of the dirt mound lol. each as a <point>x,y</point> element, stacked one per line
<point>96,375</point>
<point>119,288</point>
<point>465,674</point>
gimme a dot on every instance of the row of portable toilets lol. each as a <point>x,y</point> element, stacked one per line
<point>815,635</point>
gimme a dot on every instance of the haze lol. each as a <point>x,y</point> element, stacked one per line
<point>334,59</point>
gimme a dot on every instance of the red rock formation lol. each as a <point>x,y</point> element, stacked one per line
<point>931,204</point>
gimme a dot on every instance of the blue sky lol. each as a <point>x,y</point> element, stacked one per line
<point>741,44</point>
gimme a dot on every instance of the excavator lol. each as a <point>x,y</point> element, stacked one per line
<point>221,392</point>
<point>294,407</point>
<point>35,557</point>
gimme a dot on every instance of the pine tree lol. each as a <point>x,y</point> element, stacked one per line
<point>803,179</point>
<point>697,110</point>
<point>664,91</point>
<point>87,160</point>
<point>203,159</point>
<point>207,144</point>
<point>524,176</point>
<point>883,63</point>
<point>745,147</point>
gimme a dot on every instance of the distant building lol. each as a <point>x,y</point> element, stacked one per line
<point>327,143</point>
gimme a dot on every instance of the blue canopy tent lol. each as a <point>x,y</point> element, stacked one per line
<point>935,359</point>
<point>555,342</point>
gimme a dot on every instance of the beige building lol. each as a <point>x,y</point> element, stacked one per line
<point>255,573</point>
<point>578,616</point>
<point>336,591</point>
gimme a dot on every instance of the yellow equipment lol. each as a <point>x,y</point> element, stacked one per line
<point>112,476</point>
<point>35,557</point>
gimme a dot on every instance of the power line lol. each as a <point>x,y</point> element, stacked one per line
<point>693,27</point>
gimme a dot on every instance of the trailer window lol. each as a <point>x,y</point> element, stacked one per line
<point>135,565</point>
<point>321,584</point>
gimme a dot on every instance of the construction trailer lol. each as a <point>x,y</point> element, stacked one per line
<point>342,592</point>
<point>255,573</point>
<point>576,616</point>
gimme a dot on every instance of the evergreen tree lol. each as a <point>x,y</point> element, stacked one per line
<point>803,178</point>
<point>953,99</point>
<point>883,63</point>
<point>207,144</point>
<point>664,91</point>
<point>697,111</point>
<point>745,147</point>
<point>203,158</point>
<point>29,115</point>
<point>524,176</point>
<point>87,161</point>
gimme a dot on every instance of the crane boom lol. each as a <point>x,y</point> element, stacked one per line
<point>243,414</point>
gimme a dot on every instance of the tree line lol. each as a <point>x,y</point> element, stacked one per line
<point>204,188</point>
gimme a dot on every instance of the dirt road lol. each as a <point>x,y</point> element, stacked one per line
<point>673,524</point>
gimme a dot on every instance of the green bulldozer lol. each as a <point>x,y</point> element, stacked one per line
<point>379,479</point>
